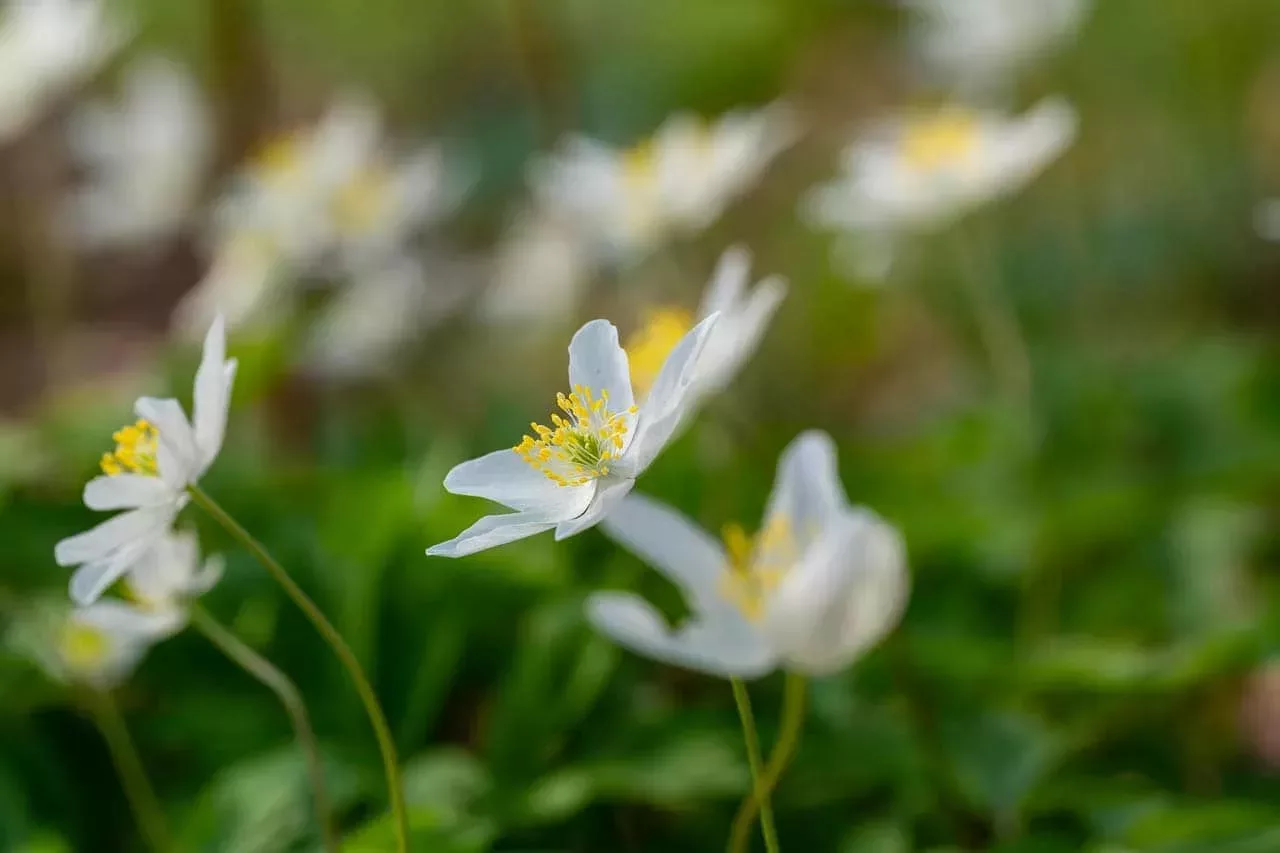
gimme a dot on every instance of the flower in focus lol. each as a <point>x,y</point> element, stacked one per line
<point>821,583</point>
<point>569,475</point>
<point>979,44</point>
<point>147,475</point>
<point>47,47</point>
<point>919,172</point>
<point>679,181</point>
<point>332,201</point>
<point>146,158</point>
<point>98,645</point>
<point>743,318</point>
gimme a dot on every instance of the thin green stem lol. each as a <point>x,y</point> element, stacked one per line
<point>386,744</point>
<point>793,710</point>
<point>287,692</point>
<point>754,760</point>
<point>137,788</point>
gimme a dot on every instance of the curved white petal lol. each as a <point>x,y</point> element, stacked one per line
<point>598,362</point>
<point>664,407</point>
<point>722,648</point>
<point>93,578</point>
<point>115,532</point>
<point>807,492</point>
<point>212,395</point>
<point>606,498</point>
<point>670,543</point>
<point>737,335</point>
<point>121,620</point>
<point>126,491</point>
<point>728,282</point>
<point>502,476</point>
<point>490,532</point>
<point>176,454</point>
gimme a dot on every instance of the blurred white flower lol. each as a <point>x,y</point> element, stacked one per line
<point>170,575</point>
<point>46,48</point>
<point>977,45</point>
<point>822,582</point>
<point>1266,220</point>
<point>576,471</point>
<point>920,171</point>
<point>743,319</point>
<point>148,473</point>
<point>625,203</point>
<point>539,271</point>
<point>98,645</point>
<point>331,201</point>
<point>146,158</point>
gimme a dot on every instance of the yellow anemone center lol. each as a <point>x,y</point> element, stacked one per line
<point>648,347</point>
<point>82,647</point>
<point>756,565</point>
<point>939,141</point>
<point>135,451</point>
<point>280,158</point>
<point>358,204</point>
<point>581,446</point>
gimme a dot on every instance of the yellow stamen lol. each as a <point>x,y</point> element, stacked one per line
<point>951,137</point>
<point>648,347</point>
<point>581,447</point>
<point>135,451</point>
<point>756,566</point>
<point>82,647</point>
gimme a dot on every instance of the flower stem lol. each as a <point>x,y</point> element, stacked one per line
<point>137,789</point>
<point>287,692</point>
<point>793,709</point>
<point>743,699</point>
<point>386,745</point>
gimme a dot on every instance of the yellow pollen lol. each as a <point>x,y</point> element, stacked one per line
<point>648,347</point>
<point>756,566</point>
<point>135,451</point>
<point>581,446</point>
<point>929,143</point>
<point>358,204</point>
<point>82,647</point>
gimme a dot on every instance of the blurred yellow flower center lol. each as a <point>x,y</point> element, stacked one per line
<point>580,447</point>
<point>933,142</point>
<point>756,565</point>
<point>281,157</point>
<point>648,347</point>
<point>81,646</point>
<point>359,203</point>
<point>135,451</point>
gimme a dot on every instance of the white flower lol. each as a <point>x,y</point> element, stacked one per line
<point>539,271</point>
<point>332,201</point>
<point>1266,220</point>
<point>680,181</point>
<point>822,582</point>
<point>920,171</point>
<point>169,575</point>
<point>47,47</point>
<point>146,158</point>
<point>148,473</point>
<point>576,471</point>
<point>977,45</point>
<point>98,645</point>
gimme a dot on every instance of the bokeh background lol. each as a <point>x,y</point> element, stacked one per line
<point>1085,662</point>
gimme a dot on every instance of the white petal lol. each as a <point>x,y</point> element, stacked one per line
<point>728,282</point>
<point>176,454</point>
<point>605,500</point>
<point>212,394</point>
<point>126,491</point>
<point>124,621</point>
<point>846,594</point>
<point>807,492</point>
<point>111,534</point>
<point>93,578</point>
<point>597,361</point>
<point>669,542</point>
<point>737,336</point>
<point>208,576</point>
<point>502,476</point>
<point>720,648</point>
<point>664,408</point>
<point>490,532</point>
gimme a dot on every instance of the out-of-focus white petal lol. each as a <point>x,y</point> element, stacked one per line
<point>1267,220</point>
<point>126,491</point>
<point>492,531</point>
<point>212,397</point>
<point>111,534</point>
<point>724,648</point>
<point>728,282</point>
<point>807,492</point>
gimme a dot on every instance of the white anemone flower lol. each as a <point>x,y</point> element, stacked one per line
<point>540,269</point>
<point>146,157</point>
<point>821,583</point>
<point>154,461</point>
<point>978,45</point>
<point>46,48</point>
<point>919,172</point>
<point>170,575</point>
<point>576,471</point>
<point>626,202</point>
<point>743,319</point>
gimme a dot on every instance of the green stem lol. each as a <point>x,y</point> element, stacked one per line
<point>793,709</point>
<point>137,789</point>
<point>287,692</point>
<point>386,744</point>
<point>767,827</point>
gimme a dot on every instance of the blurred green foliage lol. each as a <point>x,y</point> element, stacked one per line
<point>1089,604</point>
